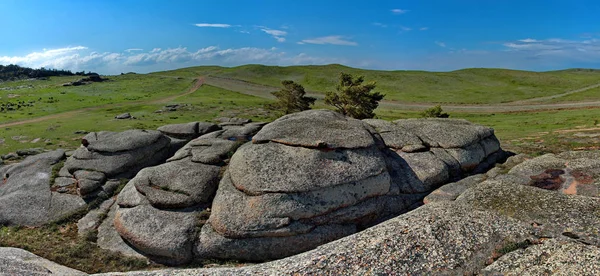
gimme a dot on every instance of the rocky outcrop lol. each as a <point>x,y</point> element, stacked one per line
<point>316,176</point>
<point>511,221</point>
<point>26,197</point>
<point>181,134</point>
<point>15,261</point>
<point>161,210</point>
<point>105,157</point>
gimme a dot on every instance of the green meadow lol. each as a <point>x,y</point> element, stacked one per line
<point>59,112</point>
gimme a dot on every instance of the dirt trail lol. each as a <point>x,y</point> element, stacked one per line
<point>557,95</point>
<point>197,84</point>
<point>264,91</point>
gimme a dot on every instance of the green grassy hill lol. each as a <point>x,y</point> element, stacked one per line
<point>467,86</point>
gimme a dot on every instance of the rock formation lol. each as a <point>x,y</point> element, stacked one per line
<point>343,190</point>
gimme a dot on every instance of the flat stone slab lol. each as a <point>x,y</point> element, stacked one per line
<point>306,129</point>
<point>16,261</point>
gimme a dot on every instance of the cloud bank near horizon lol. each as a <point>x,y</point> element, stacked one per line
<point>548,54</point>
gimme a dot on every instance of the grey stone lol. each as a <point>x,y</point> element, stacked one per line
<point>130,197</point>
<point>207,151</point>
<point>177,184</point>
<point>446,133</point>
<point>439,238</point>
<point>25,198</point>
<point>272,167</point>
<point>555,212</point>
<point>468,157</point>
<point>188,131</point>
<point>16,261</point>
<point>552,257</point>
<point>307,129</point>
<point>94,218</point>
<point>123,116</point>
<point>28,152</point>
<point>449,192</point>
<point>240,133</point>
<point>109,238</point>
<point>10,156</point>
<point>432,171</point>
<point>232,121</point>
<point>213,245</point>
<point>120,155</point>
<point>165,235</point>
<point>64,205</point>
<point>397,137</point>
<point>238,215</point>
<point>106,141</point>
<point>538,165</point>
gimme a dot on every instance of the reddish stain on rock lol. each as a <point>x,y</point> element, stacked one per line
<point>548,180</point>
<point>582,177</point>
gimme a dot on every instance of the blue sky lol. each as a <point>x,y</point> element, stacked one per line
<point>435,35</point>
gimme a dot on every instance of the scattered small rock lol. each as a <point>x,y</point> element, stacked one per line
<point>124,116</point>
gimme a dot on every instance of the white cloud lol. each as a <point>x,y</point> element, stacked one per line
<point>441,44</point>
<point>556,48</point>
<point>406,29</point>
<point>399,11</point>
<point>277,34</point>
<point>423,28</point>
<point>528,40</point>
<point>209,25</point>
<point>133,50</point>
<point>380,25</point>
<point>80,58</point>
<point>54,58</point>
<point>333,39</point>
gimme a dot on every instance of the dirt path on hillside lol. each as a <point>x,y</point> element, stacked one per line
<point>197,84</point>
<point>264,91</point>
<point>557,95</point>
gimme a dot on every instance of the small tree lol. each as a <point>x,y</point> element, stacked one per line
<point>435,112</point>
<point>353,98</point>
<point>291,98</point>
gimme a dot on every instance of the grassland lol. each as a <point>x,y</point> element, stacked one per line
<point>93,107</point>
<point>468,86</point>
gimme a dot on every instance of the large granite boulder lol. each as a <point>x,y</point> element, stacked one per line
<point>181,134</point>
<point>511,222</point>
<point>26,197</point>
<point>316,176</point>
<point>105,157</point>
<point>160,211</point>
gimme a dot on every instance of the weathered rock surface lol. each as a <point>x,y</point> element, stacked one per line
<point>553,257</point>
<point>114,155</point>
<point>15,261</point>
<point>498,225</point>
<point>25,194</point>
<point>437,238</point>
<point>188,131</point>
<point>316,176</point>
<point>161,210</point>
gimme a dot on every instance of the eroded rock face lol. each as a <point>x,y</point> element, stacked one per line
<point>161,210</point>
<point>111,156</point>
<point>316,176</point>
<point>15,261</point>
<point>487,224</point>
<point>25,194</point>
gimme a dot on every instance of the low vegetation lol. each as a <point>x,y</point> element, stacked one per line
<point>292,98</point>
<point>435,112</point>
<point>353,98</point>
<point>60,243</point>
